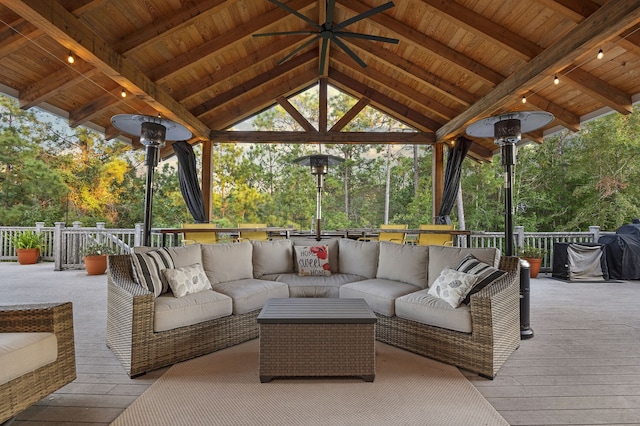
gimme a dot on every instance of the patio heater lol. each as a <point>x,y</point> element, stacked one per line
<point>506,129</point>
<point>153,132</point>
<point>319,164</point>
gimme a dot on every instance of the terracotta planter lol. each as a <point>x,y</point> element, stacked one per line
<point>28,256</point>
<point>534,263</point>
<point>95,265</point>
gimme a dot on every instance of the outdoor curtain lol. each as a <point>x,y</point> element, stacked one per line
<point>452,178</point>
<point>189,185</point>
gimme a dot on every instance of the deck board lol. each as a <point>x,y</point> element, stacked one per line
<point>581,367</point>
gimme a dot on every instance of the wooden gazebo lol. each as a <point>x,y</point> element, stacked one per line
<point>199,64</point>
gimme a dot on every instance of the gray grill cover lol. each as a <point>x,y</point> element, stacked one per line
<point>584,263</point>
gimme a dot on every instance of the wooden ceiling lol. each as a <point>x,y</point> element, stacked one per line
<point>197,62</point>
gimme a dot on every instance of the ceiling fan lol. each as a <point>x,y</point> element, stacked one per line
<point>330,31</point>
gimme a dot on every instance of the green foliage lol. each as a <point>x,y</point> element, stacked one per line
<point>531,252</point>
<point>98,249</point>
<point>27,240</point>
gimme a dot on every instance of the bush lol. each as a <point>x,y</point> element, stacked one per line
<point>27,240</point>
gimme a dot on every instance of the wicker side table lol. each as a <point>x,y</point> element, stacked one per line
<point>317,337</point>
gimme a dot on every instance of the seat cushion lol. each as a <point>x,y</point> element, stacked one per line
<point>172,312</point>
<point>424,308</point>
<point>21,353</point>
<point>251,294</point>
<point>314,286</point>
<point>358,257</point>
<point>379,294</point>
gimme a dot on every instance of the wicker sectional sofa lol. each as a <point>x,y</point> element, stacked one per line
<point>148,327</point>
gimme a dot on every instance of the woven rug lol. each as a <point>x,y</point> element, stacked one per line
<point>223,388</point>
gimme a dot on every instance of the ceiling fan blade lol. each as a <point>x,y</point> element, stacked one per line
<point>323,54</point>
<point>295,12</point>
<point>367,37</point>
<point>285,33</point>
<point>365,15</point>
<point>349,52</point>
<point>297,49</point>
<point>331,7</point>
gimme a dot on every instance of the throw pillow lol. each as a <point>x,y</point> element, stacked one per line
<point>452,286</point>
<point>186,280</point>
<point>485,272</point>
<point>147,269</point>
<point>313,260</point>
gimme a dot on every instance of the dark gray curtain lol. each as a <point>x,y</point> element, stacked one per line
<point>452,178</point>
<point>189,185</point>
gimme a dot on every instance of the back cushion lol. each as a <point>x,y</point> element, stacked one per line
<point>332,247</point>
<point>441,257</point>
<point>272,257</point>
<point>405,263</point>
<point>358,257</point>
<point>227,262</point>
<point>148,263</point>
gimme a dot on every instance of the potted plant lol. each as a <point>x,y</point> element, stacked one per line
<point>95,258</point>
<point>27,244</point>
<point>534,256</point>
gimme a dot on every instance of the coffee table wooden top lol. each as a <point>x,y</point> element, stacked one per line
<point>316,311</point>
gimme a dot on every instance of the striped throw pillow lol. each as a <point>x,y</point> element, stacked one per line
<point>147,269</point>
<point>486,274</point>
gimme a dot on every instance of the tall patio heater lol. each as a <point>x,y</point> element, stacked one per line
<point>506,129</point>
<point>153,132</point>
<point>319,164</point>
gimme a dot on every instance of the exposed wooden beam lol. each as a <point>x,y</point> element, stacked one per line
<point>611,96</point>
<point>566,118</point>
<point>350,115</point>
<point>610,19</point>
<point>417,138</point>
<point>323,106</point>
<point>295,114</point>
<point>86,112</point>
<point>55,20</point>
<point>64,79</point>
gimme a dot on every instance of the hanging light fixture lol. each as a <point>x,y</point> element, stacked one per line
<point>600,54</point>
<point>153,132</point>
<point>123,93</point>
<point>319,165</point>
<point>70,58</point>
<point>556,80</point>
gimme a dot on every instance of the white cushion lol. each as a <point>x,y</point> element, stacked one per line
<point>172,312</point>
<point>380,294</point>
<point>184,256</point>
<point>227,262</point>
<point>314,286</point>
<point>358,257</point>
<point>187,280</point>
<point>441,257</point>
<point>405,263</point>
<point>272,257</point>
<point>251,294</point>
<point>331,243</point>
<point>452,286</point>
<point>421,307</point>
<point>22,353</point>
<point>313,260</point>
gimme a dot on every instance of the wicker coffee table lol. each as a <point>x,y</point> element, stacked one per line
<point>317,337</point>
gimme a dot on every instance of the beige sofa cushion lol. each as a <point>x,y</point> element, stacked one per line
<point>227,262</point>
<point>251,294</point>
<point>358,257</point>
<point>441,257</point>
<point>380,294</point>
<point>21,353</point>
<point>424,308</point>
<point>314,286</point>
<point>272,257</point>
<point>172,312</point>
<point>405,263</point>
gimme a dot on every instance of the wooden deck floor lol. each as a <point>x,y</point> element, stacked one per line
<point>581,368</point>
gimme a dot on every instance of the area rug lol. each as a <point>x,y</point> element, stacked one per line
<point>223,388</point>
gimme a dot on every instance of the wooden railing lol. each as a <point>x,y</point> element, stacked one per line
<point>63,245</point>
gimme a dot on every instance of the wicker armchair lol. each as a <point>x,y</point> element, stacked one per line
<point>20,393</point>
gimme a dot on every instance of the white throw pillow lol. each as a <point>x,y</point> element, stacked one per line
<point>272,257</point>
<point>452,286</point>
<point>313,261</point>
<point>186,280</point>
